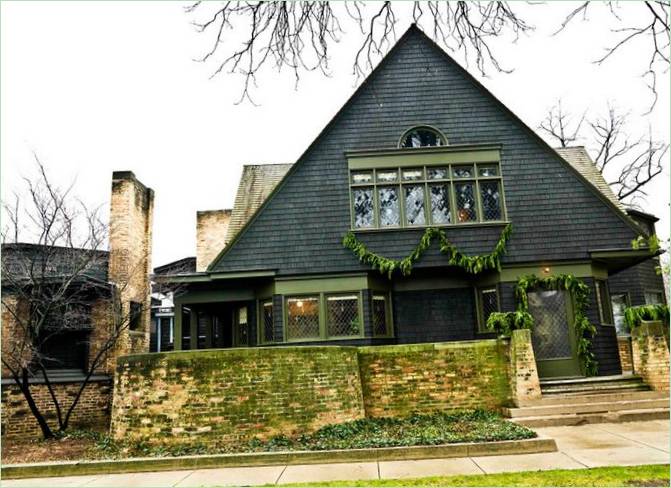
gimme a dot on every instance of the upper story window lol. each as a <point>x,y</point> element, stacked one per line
<point>422,137</point>
<point>416,196</point>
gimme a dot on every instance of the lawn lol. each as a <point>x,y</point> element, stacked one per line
<point>649,475</point>
<point>415,430</point>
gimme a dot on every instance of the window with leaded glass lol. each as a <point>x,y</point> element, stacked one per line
<point>488,301</point>
<point>653,297</point>
<point>267,327</point>
<point>342,313</point>
<point>243,329</point>
<point>421,196</point>
<point>603,302</point>
<point>302,318</point>
<point>422,137</point>
<point>380,319</point>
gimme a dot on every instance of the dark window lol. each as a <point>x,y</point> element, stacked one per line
<point>135,318</point>
<point>302,318</point>
<point>488,302</point>
<point>64,349</point>
<point>243,329</point>
<point>603,302</point>
<point>653,297</point>
<point>422,137</point>
<point>619,302</point>
<point>380,319</point>
<point>267,326</point>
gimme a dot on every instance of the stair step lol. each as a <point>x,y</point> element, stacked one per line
<point>593,418</point>
<point>601,390</point>
<point>590,379</point>
<point>592,397</point>
<point>586,408</point>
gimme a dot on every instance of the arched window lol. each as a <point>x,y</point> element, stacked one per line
<point>422,137</point>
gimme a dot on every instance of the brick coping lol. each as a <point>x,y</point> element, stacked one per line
<point>137,465</point>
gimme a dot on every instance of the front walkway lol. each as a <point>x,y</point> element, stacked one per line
<point>584,446</point>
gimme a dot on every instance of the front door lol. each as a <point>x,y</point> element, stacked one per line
<point>553,334</point>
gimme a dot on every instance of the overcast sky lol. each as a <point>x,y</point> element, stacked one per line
<point>97,87</point>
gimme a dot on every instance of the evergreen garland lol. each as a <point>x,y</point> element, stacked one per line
<point>505,322</point>
<point>634,315</point>
<point>584,330</point>
<point>472,264</point>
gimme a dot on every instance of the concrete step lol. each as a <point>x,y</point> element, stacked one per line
<point>598,384</point>
<point>595,390</point>
<point>593,418</point>
<point>586,408</point>
<point>605,396</point>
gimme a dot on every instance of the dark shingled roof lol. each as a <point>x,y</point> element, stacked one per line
<point>181,266</point>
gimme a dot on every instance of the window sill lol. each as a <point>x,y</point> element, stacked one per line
<point>497,223</point>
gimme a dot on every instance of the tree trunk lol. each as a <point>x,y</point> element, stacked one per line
<point>47,433</point>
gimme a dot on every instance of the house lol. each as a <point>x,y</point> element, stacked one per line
<point>420,145</point>
<point>113,288</point>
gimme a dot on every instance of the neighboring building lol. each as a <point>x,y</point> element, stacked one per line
<point>123,272</point>
<point>421,143</point>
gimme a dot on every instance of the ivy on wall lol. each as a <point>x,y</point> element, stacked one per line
<point>505,322</point>
<point>584,330</point>
<point>471,264</point>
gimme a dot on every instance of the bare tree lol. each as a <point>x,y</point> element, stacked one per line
<point>655,30</point>
<point>48,289</point>
<point>297,35</point>
<point>635,161</point>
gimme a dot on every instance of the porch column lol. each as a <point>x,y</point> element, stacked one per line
<point>194,327</point>
<point>177,327</point>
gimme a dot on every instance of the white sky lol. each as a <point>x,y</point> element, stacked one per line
<point>93,87</point>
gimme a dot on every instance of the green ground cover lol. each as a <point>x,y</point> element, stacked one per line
<point>649,475</point>
<point>415,430</point>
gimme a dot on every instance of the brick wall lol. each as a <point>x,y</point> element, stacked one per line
<point>650,355</point>
<point>228,395</point>
<point>400,380</point>
<point>93,409</point>
<point>624,345</point>
<point>211,229</point>
<point>525,385</point>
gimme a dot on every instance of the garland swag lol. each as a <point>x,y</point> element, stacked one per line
<point>634,315</point>
<point>472,264</point>
<point>584,330</point>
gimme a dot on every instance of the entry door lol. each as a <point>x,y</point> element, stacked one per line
<point>553,335</point>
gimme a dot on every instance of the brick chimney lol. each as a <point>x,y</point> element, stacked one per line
<point>211,229</point>
<point>131,217</point>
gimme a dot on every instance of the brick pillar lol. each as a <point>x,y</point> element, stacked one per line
<point>650,355</point>
<point>524,383</point>
<point>624,345</point>
<point>211,229</point>
<point>131,216</point>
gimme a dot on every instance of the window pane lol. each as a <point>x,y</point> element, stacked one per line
<point>412,174</point>
<point>491,200</point>
<point>462,171</point>
<point>437,173</point>
<point>362,177</point>
<point>465,202</point>
<point>387,175</point>
<point>303,318</point>
<point>390,212</point>
<point>343,315</point>
<point>414,205</point>
<point>380,316</point>
<point>653,298</point>
<point>268,329</point>
<point>489,170</point>
<point>422,138</point>
<point>363,207</point>
<point>243,330</point>
<point>619,304</point>
<point>440,204</point>
<point>490,303</point>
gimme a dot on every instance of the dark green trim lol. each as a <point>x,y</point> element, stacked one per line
<point>316,285</point>
<point>214,296</point>
<point>429,156</point>
<point>622,253</point>
<point>410,151</point>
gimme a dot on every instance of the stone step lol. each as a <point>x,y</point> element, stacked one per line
<point>593,418</point>
<point>575,380</point>
<point>586,408</point>
<point>605,396</point>
<point>595,390</point>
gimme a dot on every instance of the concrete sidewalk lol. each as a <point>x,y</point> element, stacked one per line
<point>584,446</point>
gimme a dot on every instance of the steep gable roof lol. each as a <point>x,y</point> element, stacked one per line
<point>361,111</point>
<point>579,158</point>
<point>256,183</point>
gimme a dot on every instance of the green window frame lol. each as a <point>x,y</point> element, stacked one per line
<point>603,303</point>
<point>383,327</point>
<point>416,196</point>
<point>487,300</point>
<point>326,327</point>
